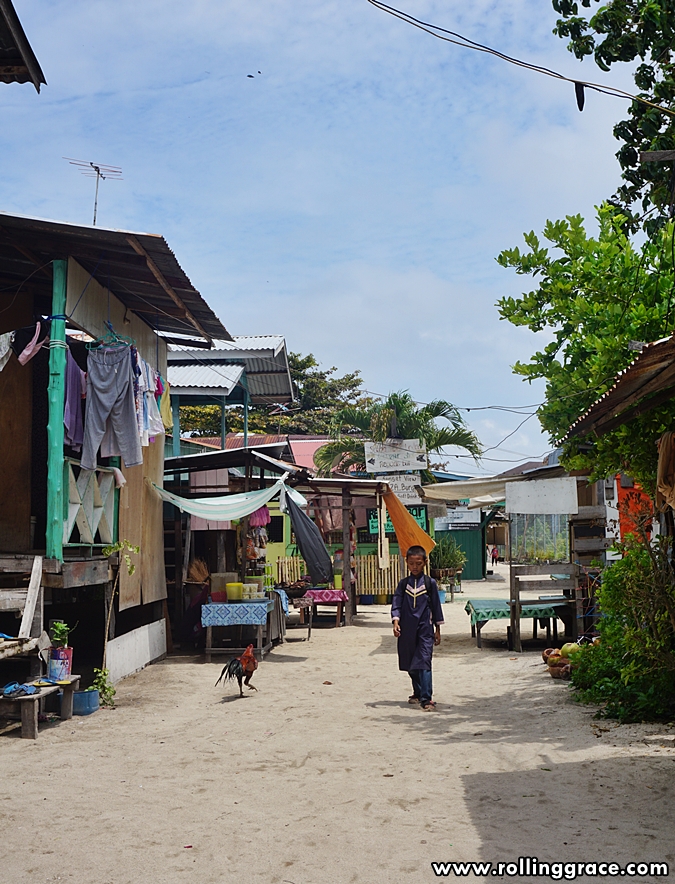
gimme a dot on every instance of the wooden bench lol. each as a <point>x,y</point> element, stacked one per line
<point>28,705</point>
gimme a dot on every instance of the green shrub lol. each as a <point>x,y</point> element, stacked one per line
<point>631,672</point>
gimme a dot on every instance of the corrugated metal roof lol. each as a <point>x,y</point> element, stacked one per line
<point>219,378</point>
<point>18,63</point>
<point>267,372</point>
<point>651,374</point>
<point>139,268</point>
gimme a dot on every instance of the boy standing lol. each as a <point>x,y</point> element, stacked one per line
<point>416,616</point>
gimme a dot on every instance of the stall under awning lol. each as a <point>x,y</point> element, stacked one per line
<point>492,486</point>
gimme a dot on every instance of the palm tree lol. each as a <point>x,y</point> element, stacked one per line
<point>398,416</point>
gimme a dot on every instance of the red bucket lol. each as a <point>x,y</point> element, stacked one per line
<point>60,663</point>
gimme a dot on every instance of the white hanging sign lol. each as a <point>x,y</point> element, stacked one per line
<point>395,455</point>
<point>543,496</point>
<point>404,486</point>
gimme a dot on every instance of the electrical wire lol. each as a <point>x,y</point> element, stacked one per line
<point>466,43</point>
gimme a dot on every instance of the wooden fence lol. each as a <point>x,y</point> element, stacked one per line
<point>370,578</point>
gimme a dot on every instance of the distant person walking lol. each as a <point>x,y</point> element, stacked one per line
<point>495,555</point>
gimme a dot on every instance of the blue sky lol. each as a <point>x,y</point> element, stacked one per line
<point>353,196</point>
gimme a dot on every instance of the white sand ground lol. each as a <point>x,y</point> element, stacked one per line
<point>307,782</point>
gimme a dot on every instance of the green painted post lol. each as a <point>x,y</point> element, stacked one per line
<point>56,398</point>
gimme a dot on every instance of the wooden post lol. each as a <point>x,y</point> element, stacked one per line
<point>223,424</point>
<point>244,521</point>
<point>245,419</point>
<point>346,556</point>
<point>56,396</point>
<point>175,430</point>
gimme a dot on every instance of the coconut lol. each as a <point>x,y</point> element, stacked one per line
<point>556,671</point>
<point>556,660</point>
<point>547,653</point>
<point>569,649</point>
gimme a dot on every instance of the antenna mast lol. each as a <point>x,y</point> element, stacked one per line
<point>99,171</point>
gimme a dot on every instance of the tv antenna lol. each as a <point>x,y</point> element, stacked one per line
<point>99,171</point>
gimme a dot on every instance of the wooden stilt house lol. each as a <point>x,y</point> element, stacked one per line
<point>83,281</point>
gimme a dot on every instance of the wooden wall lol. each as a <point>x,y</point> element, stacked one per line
<point>91,311</point>
<point>140,512</point>
<point>16,391</point>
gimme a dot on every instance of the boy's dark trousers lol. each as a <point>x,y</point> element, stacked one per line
<point>422,684</point>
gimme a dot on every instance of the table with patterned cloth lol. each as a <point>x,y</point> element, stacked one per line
<point>336,597</point>
<point>483,610</point>
<point>284,599</point>
<point>258,614</point>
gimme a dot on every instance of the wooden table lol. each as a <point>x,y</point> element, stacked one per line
<point>336,597</point>
<point>246,613</point>
<point>28,705</point>
<point>483,610</point>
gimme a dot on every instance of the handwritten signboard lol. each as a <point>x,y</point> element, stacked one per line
<point>404,486</point>
<point>395,456</point>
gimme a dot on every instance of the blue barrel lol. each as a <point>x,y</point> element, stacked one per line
<point>85,702</point>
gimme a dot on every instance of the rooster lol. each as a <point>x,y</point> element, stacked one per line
<point>241,668</point>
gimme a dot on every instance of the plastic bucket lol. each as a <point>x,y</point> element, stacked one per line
<point>366,600</point>
<point>85,702</point>
<point>60,663</point>
<point>234,591</point>
<point>381,598</point>
<point>441,596</point>
<point>218,597</point>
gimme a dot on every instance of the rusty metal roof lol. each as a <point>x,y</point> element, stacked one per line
<point>139,269</point>
<point>647,382</point>
<point>18,63</point>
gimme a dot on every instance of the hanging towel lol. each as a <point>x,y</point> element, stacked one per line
<point>72,413</point>
<point>5,349</point>
<point>408,532</point>
<point>165,407</point>
<point>665,474</point>
<point>28,341</point>
<point>110,402</point>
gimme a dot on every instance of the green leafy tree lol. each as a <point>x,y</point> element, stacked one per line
<point>626,31</point>
<point>396,416</point>
<point>596,296</point>
<point>320,393</point>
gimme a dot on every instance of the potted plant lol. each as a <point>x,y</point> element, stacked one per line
<point>446,559</point>
<point>60,654</point>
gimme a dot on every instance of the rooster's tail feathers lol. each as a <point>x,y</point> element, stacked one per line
<point>231,670</point>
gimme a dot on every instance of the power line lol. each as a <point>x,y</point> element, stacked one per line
<point>466,43</point>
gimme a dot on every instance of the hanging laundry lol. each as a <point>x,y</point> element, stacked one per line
<point>165,407</point>
<point>28,341</point>
<point>110,402</point>
<point>5,349</point>
<point>72,413</point>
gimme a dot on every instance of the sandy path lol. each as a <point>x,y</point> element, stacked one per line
<point>306,782</point>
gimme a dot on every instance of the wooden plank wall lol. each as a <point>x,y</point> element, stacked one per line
<point>153,574</point>
<point>16,392</point>
<point>130,527</point>
<point>97,303</point>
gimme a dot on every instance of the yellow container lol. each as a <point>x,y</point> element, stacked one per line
<point>381,598</point>
<point>234,591</point>
<point>337,581</point>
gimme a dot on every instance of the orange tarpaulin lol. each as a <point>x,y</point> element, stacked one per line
<point>408,532</point>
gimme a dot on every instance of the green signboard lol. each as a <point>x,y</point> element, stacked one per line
<point>419,514</point>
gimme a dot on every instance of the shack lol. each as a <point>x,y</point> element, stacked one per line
<point>63,286</point>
